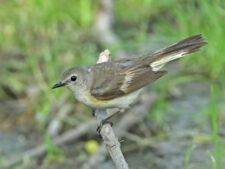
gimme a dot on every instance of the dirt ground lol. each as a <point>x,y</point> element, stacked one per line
<point>183,132</point>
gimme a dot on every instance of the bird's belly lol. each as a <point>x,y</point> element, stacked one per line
<point>120,102</point>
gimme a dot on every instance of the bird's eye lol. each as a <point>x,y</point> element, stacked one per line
<point>73,78</point>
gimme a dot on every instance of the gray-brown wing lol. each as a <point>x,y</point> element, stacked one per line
<point>114,80</point>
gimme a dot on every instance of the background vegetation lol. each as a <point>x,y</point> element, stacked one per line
<point>39,39</point>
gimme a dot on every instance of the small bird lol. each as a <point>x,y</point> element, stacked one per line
<point>117,84</point>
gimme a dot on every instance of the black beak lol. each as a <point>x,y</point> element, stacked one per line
<point>60,84</point>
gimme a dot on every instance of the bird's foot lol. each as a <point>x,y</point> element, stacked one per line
<point>99,128</point>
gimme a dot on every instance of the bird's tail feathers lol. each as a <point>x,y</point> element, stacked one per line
<point>175,51</point>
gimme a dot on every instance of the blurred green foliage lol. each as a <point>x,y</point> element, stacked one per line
<point>41,38</point>
<point>52,36</point>
<point>54,153</point>
<point>176,19</point>
<point>49,30</point>
<point>205,17</point>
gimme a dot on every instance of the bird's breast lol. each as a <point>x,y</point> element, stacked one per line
<point>120,102</point>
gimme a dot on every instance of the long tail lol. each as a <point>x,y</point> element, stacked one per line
<point>175,51</point>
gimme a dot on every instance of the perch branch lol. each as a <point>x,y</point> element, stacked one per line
<point>111,142</point>
<point>131,118</point>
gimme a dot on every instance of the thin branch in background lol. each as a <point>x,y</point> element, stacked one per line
<point>56,124</point>
<point>104,25</point>
<point>70,135</point>
<point>104,22</point>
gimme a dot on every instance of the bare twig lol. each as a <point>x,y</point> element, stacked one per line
<point>104,56</point>
<point>111,142</point>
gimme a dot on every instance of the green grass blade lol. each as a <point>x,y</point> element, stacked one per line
<point>188,155</point>
<point>215,128</point>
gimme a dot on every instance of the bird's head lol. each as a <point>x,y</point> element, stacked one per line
<point>73,78</point>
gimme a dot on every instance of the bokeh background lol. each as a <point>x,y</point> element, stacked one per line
<point>182,127</point>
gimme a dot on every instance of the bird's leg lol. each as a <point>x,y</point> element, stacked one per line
<point>106,120</point>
